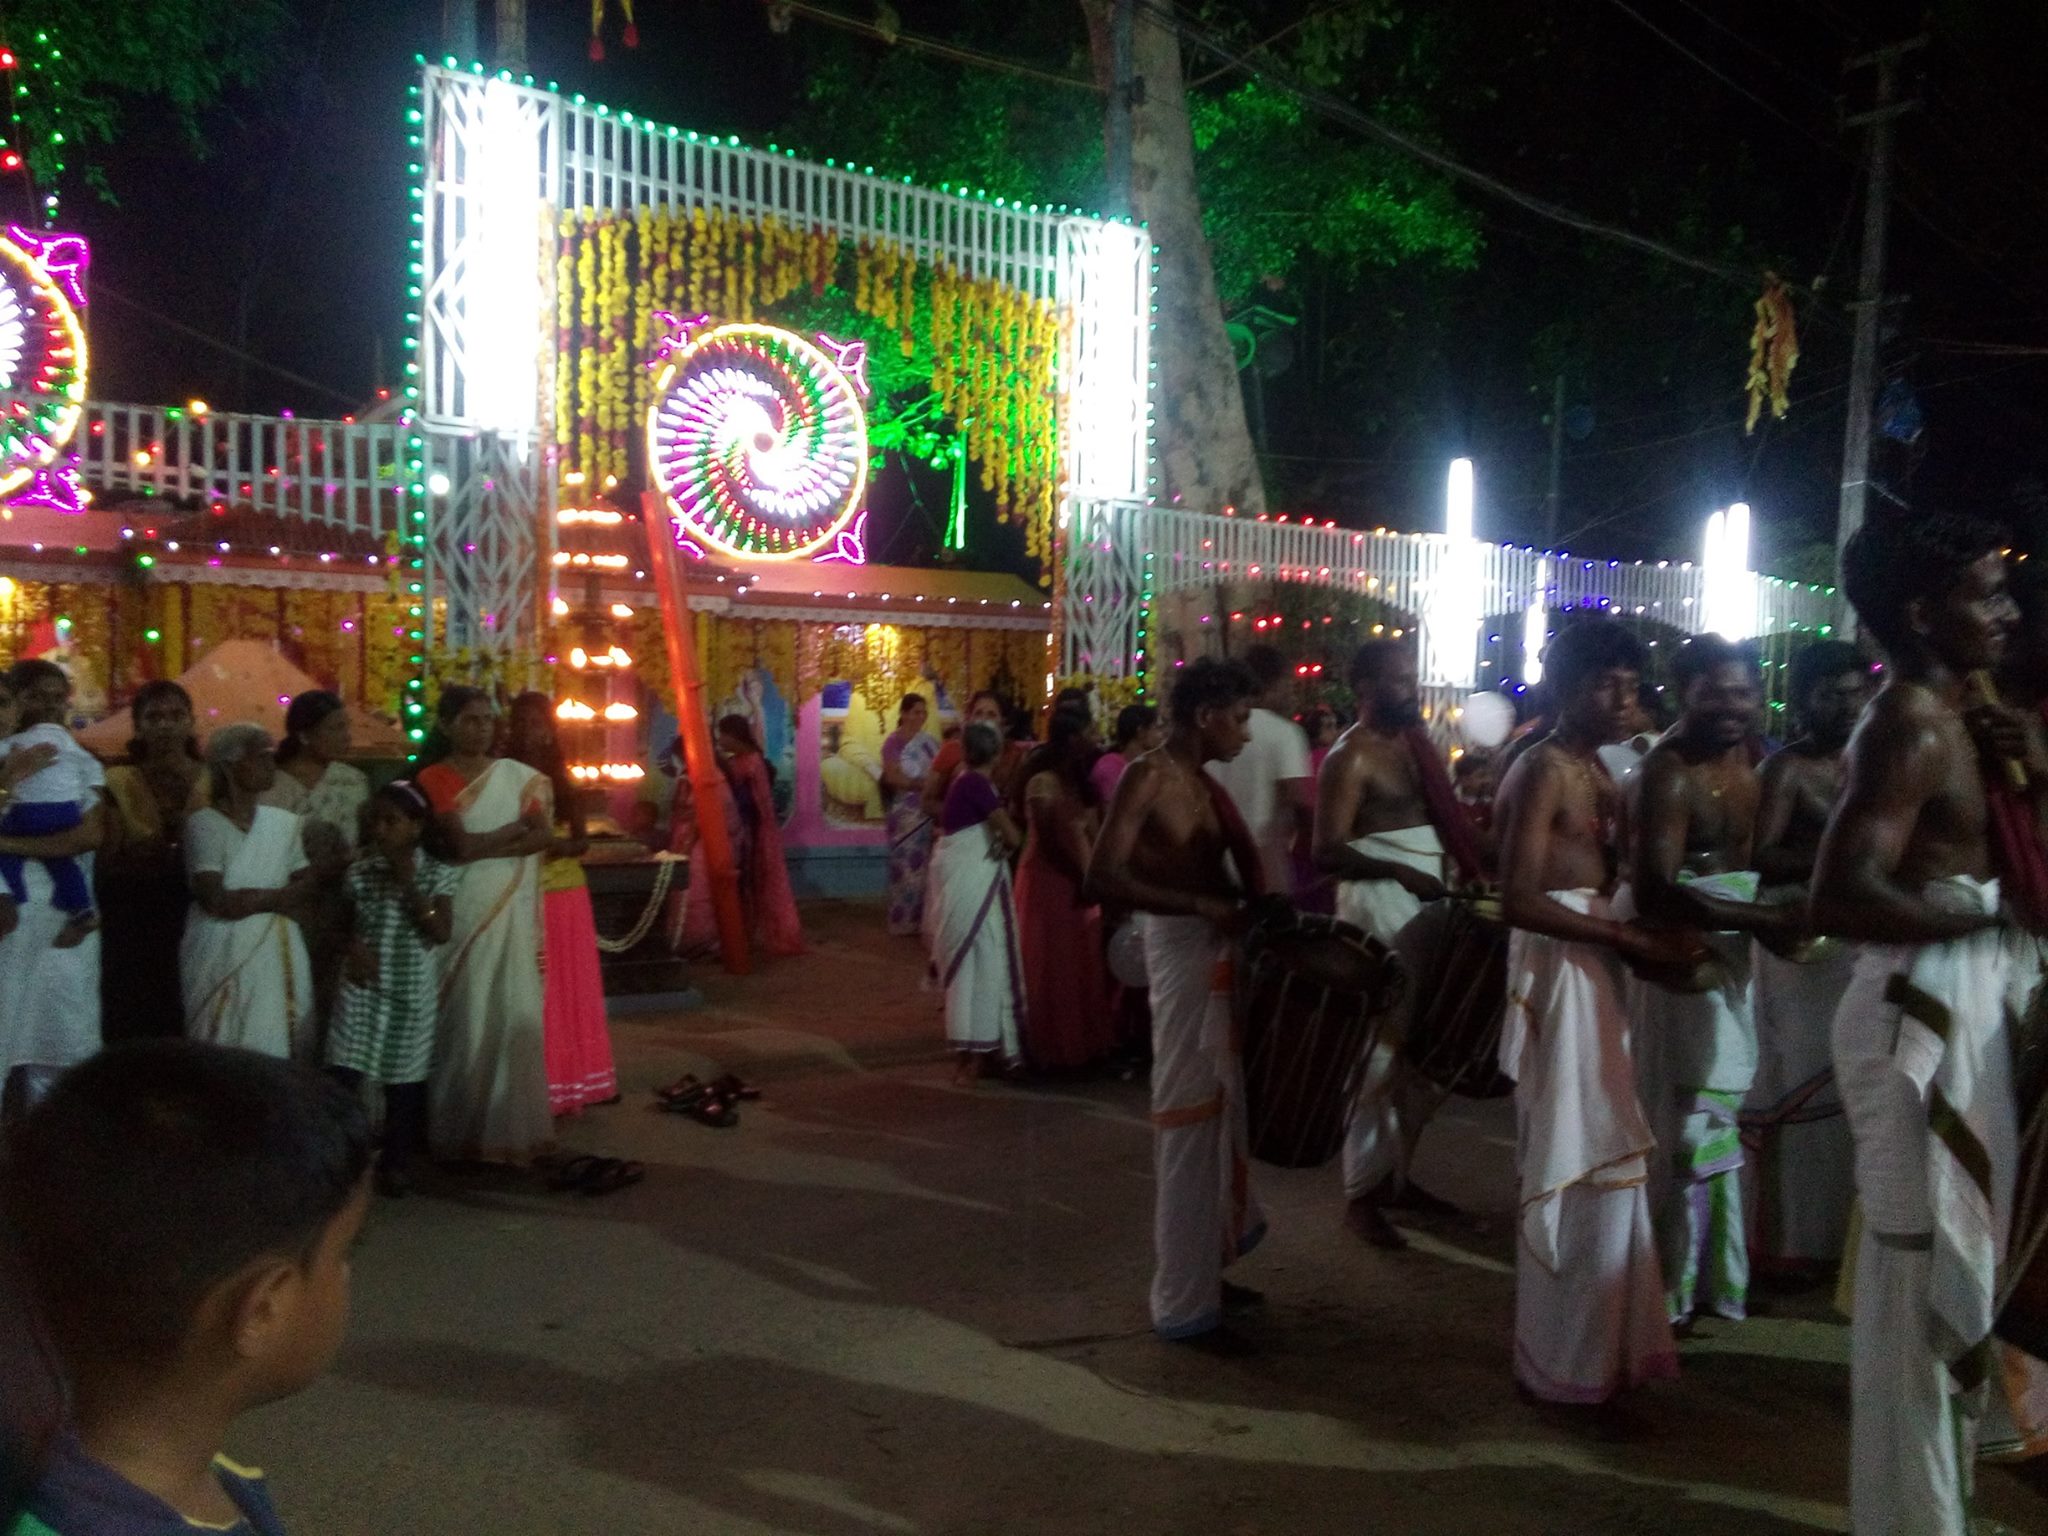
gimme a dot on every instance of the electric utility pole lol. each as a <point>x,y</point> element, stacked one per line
<point>1885,110</point>
<point>509,37</point>
<point>458,29</point>
<point>1117,127</point>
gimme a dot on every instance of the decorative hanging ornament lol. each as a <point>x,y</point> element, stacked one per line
<point>758,442</point>
<point>42,366</point>
<point>630,36</point>
<point>1773,353</point>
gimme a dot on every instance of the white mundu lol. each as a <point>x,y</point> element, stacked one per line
<point>1695,1055</point>
<point>1799,1165</point>
<point>1589,1299</point>
<point>1922,1058</point>
<point>1387,911</point>
<point>1204,1212</point>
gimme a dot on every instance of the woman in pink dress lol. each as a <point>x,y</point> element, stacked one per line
<point>577,1035</point>
<point>764,876</point>
<point>1066,988</point>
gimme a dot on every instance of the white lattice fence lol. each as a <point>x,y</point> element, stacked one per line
<point>344,475</point>
<point>483,500</point>
<point>1125,556</point>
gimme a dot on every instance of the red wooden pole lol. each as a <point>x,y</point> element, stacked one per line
<point>706,778</point>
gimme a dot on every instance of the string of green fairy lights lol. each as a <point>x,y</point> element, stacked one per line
<point>28,149</point>
<point>413,706</point>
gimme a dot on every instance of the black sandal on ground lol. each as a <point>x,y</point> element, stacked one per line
<point>689,1083</point>
<point>575,1173</point>
<point>614,1174</point>
<point>711,1108</point>
<point>730,1086</point>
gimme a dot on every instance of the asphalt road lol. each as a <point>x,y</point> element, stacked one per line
<point>885,1305</point>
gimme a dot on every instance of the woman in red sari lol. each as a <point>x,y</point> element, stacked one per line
<point>1067,1013</point>
<point>770,904</point>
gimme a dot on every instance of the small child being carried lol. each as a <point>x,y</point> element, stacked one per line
<point>47,802</point>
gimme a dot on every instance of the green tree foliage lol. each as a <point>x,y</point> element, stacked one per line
<point>91,70</point>
<point>1277,184</point>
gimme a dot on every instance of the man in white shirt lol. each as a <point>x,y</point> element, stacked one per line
<point>1270,781</point>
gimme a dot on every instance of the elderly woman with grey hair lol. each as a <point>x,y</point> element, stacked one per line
<point>243,961</point>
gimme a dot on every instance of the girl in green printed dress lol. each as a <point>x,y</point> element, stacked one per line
<point>400,908</point>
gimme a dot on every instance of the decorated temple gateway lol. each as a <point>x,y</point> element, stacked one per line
<point>621,328</point>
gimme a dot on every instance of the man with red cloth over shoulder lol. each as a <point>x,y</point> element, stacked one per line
<point>1390,827</point>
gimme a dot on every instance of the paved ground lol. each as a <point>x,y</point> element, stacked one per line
<point>883,1305</point>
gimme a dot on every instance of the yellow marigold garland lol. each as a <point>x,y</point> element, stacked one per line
<point>995,349</point>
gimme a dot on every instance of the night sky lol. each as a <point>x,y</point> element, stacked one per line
<point>288,238</point>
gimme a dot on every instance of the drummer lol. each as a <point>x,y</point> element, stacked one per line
<point>1803,1176</point>
<point>1390,828</point>
<point>1166,852</point>
<point>1693,811</point>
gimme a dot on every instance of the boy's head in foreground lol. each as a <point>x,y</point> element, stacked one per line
<point>183,1216</point>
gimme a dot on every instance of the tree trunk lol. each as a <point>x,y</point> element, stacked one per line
<point>1205,448</point>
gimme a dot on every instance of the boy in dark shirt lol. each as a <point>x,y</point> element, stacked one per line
<point>183,1216</point>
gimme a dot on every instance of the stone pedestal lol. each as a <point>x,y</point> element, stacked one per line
<point>621,884</point>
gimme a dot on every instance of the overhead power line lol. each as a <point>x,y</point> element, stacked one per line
<point>914,43</point>
<point>1343,112</point>
<point>1733,84</point>
<point>102,289</point>
<point>1759,50</point>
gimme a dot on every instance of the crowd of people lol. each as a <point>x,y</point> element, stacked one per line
<point>1771,1005</point>
<point>1768,1007</point>
<point>433,939</point>
<point>990,833</point>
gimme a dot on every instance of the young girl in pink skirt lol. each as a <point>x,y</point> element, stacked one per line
<point>578,1038</point>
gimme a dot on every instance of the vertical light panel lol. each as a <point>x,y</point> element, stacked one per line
<point>501,313</point>
<point>1105,281</point>
<point>1536,627</point>
<point>1458,501</point>
<point>1729,585</point>
<point>1450,621</point>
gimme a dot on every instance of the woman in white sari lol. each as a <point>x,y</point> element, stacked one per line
<point>490,1083</point>
<point>243,961</point>
<point>974,926</point>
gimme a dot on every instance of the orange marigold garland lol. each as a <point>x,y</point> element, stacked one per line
<point>1773,353</point>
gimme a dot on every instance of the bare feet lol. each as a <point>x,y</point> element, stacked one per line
<point>74,933</point>
<point>966,1069</point>
<point>1367,1219</point>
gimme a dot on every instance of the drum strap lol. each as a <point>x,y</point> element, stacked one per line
<point>1193,1114</point>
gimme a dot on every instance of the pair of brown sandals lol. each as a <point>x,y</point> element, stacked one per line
<point>715,1103</point>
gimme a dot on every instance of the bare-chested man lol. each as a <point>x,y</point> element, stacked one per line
<point>1692,816</point>
<point>1374,832</point>
<point>1167,851</point>
<point>1921,1050</point>
<point>1589,1307</point>
<point>1803,1162</point>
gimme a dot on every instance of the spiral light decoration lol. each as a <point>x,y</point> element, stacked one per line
<point>42,353</point>
<point>759,443</point>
